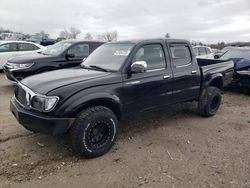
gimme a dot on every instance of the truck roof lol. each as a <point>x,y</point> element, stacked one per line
<point>78,41</point>
<point>153,40</point>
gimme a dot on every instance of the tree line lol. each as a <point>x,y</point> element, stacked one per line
<point>72,33</point>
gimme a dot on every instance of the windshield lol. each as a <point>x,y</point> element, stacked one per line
<point>57,48</point>
<point>236,53</point>
<point>109,56</point>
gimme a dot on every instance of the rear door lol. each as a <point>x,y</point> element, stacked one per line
<point>186,73</point>
<point>151,88</point>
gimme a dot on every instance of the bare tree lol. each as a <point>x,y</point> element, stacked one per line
<point>74,32</point>
<point>65,34</point>
<point>71,34</point>
<point>108,36</point>
<point>2,30</point>
<point>167,35</point>
<point>88,36</point>
<point>43,34</point>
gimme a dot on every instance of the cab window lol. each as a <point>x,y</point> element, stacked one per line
<point>153,55</point>
<point>180,55</point>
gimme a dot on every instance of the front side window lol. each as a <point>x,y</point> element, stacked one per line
<point>11,47</point>
<point>180,55</point>
<point>79,50</point>
<point>153,55</point>
<point>57,48</point>
<point>27,47</point>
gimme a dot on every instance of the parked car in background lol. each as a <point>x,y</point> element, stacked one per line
<point>64,54</point>
<point>221,52</point>
<point>215,50</point>
<point>10,49</point>
<point>118,79</point>
<point>48,42</point>
<point>203,52</point>
<point>241,58</point>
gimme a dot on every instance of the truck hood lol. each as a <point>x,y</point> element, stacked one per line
<point>30,58</point>
<point>46,82</point>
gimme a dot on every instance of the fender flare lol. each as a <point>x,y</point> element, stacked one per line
<point>77,103</point>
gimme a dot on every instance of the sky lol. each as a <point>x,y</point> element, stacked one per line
<point>207,21</point>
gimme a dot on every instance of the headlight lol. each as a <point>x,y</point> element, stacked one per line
<point>44,103</point>
<point>21,66</point>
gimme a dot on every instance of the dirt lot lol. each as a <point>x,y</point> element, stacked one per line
<point>172,147</point>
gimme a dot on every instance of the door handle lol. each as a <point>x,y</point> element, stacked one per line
<point>166,77</point>
<point>193,72</point>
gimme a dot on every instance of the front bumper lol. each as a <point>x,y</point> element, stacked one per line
<point>38,122</point>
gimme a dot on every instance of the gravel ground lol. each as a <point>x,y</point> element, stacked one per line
<point>169,147</point>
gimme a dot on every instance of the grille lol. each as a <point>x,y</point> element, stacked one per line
<point>21,95</point>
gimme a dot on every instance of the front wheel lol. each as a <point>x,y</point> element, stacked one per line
<point>209,102</point>
<point>94,132</point>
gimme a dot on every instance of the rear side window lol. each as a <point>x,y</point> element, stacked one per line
<point>11,47</point>
<point>27,47</point>
<point>208,51</point>
<point>202,51</point>
<point>153,55</point>
<point>79,50</point>
<point>180,55</point>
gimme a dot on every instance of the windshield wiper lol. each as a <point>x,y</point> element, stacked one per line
<point>99,68</point>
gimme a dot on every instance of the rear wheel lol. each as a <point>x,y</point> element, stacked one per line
<point>94,132</point>
<point>209,102</point>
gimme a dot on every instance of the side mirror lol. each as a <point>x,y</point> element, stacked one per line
<point>68,56</point>
<point>216,56</point>
<point>139,67</point>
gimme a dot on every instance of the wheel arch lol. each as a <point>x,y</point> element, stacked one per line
<point>216,81</point>
<point>109,103</point>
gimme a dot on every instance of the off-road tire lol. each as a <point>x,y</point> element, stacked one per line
<point>90,125</point>
<point>209,102</point>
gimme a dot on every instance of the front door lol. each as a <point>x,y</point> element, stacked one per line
<point>151,88</point>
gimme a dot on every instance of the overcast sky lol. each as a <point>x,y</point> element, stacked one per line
<point>203,20</point>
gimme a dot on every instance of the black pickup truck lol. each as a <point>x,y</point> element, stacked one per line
<point>118,79</point>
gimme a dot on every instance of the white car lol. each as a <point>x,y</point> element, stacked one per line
<point>10,49</point>
<point>203,52</point>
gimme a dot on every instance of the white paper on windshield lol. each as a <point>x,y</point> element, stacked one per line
<point>122,52</point>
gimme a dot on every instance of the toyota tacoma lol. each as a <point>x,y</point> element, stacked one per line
<point>117,79</point>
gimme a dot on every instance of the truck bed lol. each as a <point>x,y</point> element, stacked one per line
<point>209,67</point>
<point>205,62</point>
